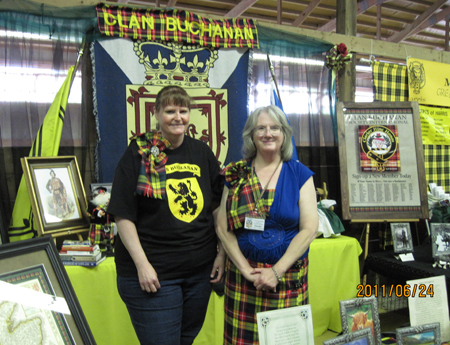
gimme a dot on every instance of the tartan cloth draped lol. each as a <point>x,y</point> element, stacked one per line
<point>390,83</point>
<point>243,187</point>
<point>243,301</point>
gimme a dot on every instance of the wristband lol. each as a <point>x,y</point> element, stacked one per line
<point>276,274</point>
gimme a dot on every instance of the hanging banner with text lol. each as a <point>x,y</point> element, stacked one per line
<point>435,123</point>
<point>429,82</point>
<point>177,26</point>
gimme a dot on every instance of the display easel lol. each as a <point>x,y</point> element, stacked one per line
<point>366,232</point>
<point>69,232</point>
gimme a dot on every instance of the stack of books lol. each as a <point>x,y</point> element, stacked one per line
<point>80,253</point>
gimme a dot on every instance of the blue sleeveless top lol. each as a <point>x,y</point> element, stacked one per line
<point>282,224</point>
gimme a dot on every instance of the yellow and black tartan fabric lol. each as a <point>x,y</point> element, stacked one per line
<point>243,301</point>
<point>390,82</point>
<point>437,165</point>
<point>390,85</point>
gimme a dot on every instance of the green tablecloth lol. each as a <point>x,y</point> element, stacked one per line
<point>333,276</point>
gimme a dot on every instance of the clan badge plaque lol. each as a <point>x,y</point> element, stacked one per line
<point>381,161</point>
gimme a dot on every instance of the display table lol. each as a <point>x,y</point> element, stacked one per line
<point>385,264</point>
<point>333,276</point>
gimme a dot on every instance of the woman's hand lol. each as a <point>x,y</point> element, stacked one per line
<point>218,268</point>
<point>265,279</point>
<point>148,278</point>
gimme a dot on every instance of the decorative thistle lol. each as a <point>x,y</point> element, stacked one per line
<point>338,57</point>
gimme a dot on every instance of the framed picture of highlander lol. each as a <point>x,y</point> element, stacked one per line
<point>381,160</point>
<point>57,195</point>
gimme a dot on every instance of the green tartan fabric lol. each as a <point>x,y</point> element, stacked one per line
<point>176,26</point>
<point>390,82</point>
<point>244,188</point>
<point>152,177</point>
<point>101,233</point>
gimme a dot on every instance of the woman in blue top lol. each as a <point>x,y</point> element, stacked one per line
<point>266,222</point>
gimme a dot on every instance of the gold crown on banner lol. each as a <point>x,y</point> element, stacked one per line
<point>173,63</point>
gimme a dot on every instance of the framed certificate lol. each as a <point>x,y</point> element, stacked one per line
<point>381,161</point>
<point>287,326</point>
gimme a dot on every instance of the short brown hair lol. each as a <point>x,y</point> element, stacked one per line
<point>172,94</point>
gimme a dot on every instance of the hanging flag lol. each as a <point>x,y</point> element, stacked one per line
<point>275,100</point>
<point>46,144</point>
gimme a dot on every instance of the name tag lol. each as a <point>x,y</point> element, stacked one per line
<point>254,221</point>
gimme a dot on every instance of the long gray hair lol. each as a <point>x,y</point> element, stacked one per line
<point>249,148</point>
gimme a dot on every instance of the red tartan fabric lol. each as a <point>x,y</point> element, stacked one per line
<point>243,301</point>
<point>176,26</point>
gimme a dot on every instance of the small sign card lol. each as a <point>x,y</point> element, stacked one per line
<point>289,326</point>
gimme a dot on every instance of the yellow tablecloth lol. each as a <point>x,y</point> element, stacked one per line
<point>333,276</point>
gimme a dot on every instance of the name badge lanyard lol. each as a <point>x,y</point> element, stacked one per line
<point>255,220</point>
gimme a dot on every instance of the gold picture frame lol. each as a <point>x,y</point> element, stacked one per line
<point>57,195</point>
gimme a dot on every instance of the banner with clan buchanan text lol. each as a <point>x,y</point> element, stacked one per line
<point>176,26</point>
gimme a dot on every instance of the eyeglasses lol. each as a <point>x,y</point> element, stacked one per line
<point>274,130</point>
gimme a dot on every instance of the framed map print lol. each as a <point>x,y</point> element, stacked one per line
<point>381,161</point>
<point>33,267</point>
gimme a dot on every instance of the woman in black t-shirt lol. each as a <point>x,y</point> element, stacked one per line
<point>166,187</point>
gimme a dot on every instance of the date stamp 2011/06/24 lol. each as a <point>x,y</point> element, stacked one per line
<point>405,290</point>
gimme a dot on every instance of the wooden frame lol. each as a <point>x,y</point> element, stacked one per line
<point>57,195</point>
<point>440,241</point>
<point>361,312</point>
<point>40,256</point>
<point>424,334</point>
<point>381,161</point>
<point>401,237</point>
<point>359,337</point>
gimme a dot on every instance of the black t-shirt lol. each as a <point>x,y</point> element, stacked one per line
<point>177,234</point>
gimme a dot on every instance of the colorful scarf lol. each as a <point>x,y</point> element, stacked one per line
<point>152,176</point>
<point>241,183</point>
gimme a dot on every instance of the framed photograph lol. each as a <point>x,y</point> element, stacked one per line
<point>440,241</point>
<point>35,264</point>
<point>291,326</point>
<point>401,237</point>
<point>57,195</point>
<point>359,313</point>
<point>360,337</point>
<point>428,334</point>
<point>381,161</point>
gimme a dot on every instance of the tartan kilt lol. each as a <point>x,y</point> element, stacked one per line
<point>243,301</point>
<point>97,234</point>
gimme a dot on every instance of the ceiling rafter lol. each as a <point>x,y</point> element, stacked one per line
<point>308,10</point>
<point>413,22</point>
<point>410,29</point>
<point>171,3</point>
<point>363,6</point>
<point>240,8</point>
